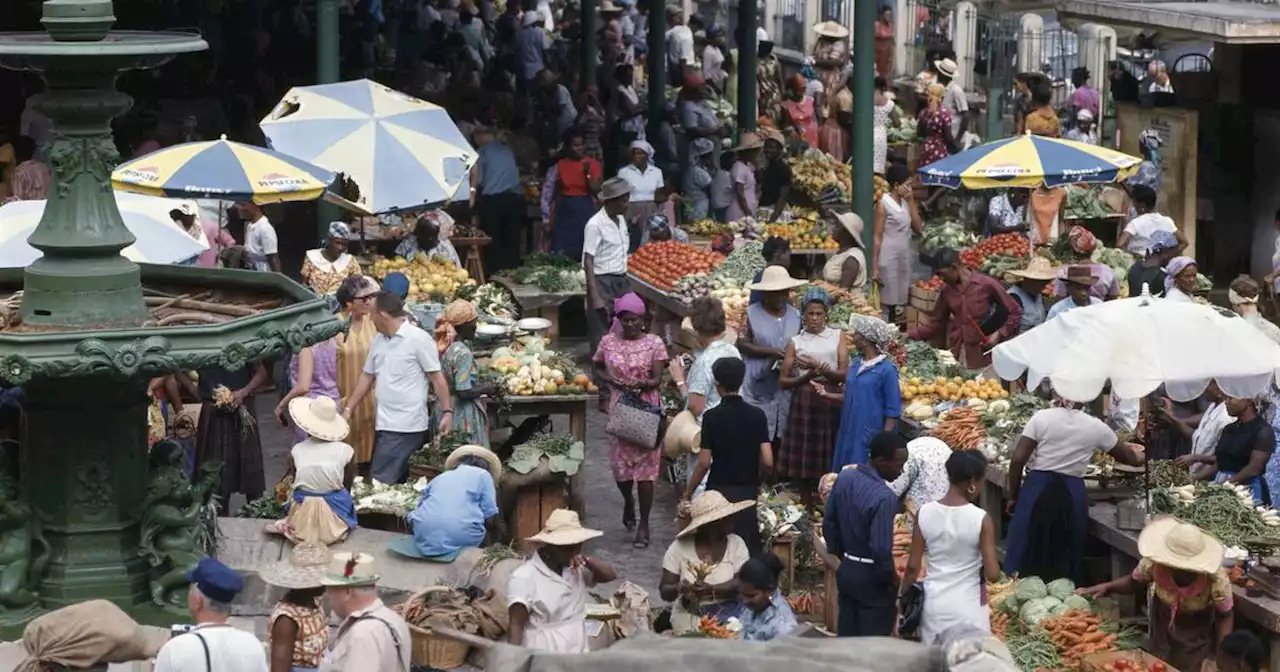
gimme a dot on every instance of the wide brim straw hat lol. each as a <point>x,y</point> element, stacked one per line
<point>1038,268</point>
<point>775,279</point>
<point>831,29</point>
<point>319,417</point>
<point>852,223</point>
<point>946,66</point>
<point>349,570</point>
<point>490,458</point>
<point>1170,542</point>
<point>305,568</point>
<point>563,528</point>
<point>748,141</point>
<point>709,507</point>
<point>684,435</point>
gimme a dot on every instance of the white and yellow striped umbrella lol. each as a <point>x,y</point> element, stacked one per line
<point>402,152</point>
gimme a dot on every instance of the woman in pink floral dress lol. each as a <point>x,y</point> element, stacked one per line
<point>631,362</point>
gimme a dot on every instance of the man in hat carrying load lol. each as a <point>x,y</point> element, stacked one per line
<point>371,636</point>
<point>212,645</point>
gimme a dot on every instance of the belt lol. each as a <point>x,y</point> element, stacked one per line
<point>854,558</point>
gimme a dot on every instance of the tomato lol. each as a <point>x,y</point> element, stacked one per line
<point>1158,666</point>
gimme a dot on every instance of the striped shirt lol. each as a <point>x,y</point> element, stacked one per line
<point>859,518</point>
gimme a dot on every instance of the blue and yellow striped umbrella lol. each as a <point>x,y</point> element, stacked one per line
<point>225,170</point>
<point>1029,161</point>
<point>403,153</point>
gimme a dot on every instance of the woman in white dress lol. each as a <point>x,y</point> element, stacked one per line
<point>885,112</point>
<point>960,540</point>
<point>897,216</point>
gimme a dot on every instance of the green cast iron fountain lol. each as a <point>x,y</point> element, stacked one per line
<point>92,515</point>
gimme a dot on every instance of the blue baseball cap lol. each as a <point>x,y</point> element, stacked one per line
<point>396,283</point>
<point>216,581</point>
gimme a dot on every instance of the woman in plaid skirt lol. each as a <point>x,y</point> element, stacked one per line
<point>817,355</point>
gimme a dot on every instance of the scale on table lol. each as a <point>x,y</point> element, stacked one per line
<point>1264,567</point>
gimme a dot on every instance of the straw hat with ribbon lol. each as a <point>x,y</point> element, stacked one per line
<point>1178,545</point>
<point>305,567</point>
<point>684,435</point>
<point>831,29</point>
<point>319,418</point>
<point>709,507</point>
<point>947,67</point>
<point>775,279</point>
<point>853,224</point>
<point>564,529</point>
<point>1038,268</point>
<point>495,465</point>
<point>349,570</point>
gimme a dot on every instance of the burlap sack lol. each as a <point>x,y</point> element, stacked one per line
<point>83,635</point>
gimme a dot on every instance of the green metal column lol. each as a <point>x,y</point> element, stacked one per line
<point>656,66</point>
<point>326,73</point>
<point>748,59</point>
<point>590,45</point>
<point>864,79</point>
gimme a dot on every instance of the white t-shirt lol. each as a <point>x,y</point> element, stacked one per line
<point>643,185</point>
<point>1142,227</point>
<point>320,465</point>
<point>230,650</point>
<point>260,242</point>
<point>1065,440</point>
<point>607,243</point>
<point>400,365</point>
<point>679,45</point>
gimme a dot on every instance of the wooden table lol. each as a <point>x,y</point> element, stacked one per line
<point>536,303</point>
<point>574,406</point>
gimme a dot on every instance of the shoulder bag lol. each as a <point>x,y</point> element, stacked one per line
<point>635,420</point>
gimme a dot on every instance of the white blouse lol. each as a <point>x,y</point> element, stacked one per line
<point>824,347</point>
<point>557,605</point>
<point>643,185</point>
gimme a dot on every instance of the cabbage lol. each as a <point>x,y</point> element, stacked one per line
<point>1011,604</point>
<point>1061,588</point>
<point>1031,588</point>
<point>1033,612</point>
<point>1077,602</point>
<point>1049,602</point>
<point>1058,610</point>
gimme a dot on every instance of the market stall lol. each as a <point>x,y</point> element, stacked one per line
<point>542,284</point>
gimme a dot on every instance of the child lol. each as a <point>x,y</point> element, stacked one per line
<point>1240,651</point>
<point>722,188</point>
<point>735,449</point>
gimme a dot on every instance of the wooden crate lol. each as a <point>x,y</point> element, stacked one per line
<point>785,548</point>
<point>534,505</point>
<point>1097,662</point>
<point>922,299</point>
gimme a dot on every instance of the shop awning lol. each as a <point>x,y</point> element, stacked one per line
<point>1228,22</point>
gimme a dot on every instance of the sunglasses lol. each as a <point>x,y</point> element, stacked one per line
<point>366,297</point>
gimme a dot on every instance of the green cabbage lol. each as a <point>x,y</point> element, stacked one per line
<point>1031,588</point>
<point>1058,610</point>
<point>1011,604</point>
<point>1033,612</point>
<point>1061,588</point>
<point>1077,602</point>
<point>1049,602</point>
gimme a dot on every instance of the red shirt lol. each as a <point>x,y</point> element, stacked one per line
<point>964,307</point>
<point>572,181</point>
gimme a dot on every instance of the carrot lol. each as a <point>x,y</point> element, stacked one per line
<point>1071,637</point>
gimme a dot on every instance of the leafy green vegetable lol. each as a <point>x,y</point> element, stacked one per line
<point>1085,202</point>
<point>564,454</point>
<point>1033,612</point>
<point>265,507</point>
<point>1077,602</point>
<point>1061,589</point>
<point>1031,588</point>
<point>742,264</point>
<point>549,272</point>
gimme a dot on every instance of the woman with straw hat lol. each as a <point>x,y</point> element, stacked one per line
<point>457,510</point>
<point>743,178</point>
<point>320,508</point>
<point>547,595</point>
<point>700,566</point>
<point>1191,594</point>
<point>830,58</point>
<point>770,325</point>
<point>871,398</point>
<point>1028,289</point>
<point>848,267</point>
<point>298,628</point>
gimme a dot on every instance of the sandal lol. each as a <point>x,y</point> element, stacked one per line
<point>629,518</point>
<point>641,541</point>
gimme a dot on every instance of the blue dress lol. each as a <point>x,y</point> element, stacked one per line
<point>869,398</point>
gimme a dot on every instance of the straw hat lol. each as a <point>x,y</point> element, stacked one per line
<point>684,435</point>
<point>947,67</point>
<point>853,224</point>
<point>319,418</point>
<point>748,141</point>
<point>305,567</point>
<point>775,279</point>
<point>1170,542</point>
<point>831,29</point>
<point>1038,268</point>
<point>495,465</point>
<point>350,569</point>
<point>608,6</point>
<point>1080,275</point>
<point>709,507</point>
<point>564,529</point>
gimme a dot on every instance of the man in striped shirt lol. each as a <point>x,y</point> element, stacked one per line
<point>858,528</point>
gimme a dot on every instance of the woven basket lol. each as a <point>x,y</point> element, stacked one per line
<point>431,650</point>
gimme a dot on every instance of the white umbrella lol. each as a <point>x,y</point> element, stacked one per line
<point>1139,344</point>
<point>160,240</point>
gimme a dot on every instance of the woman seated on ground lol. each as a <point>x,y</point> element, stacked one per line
<point>1191,597</point>
<point>1244,446</point>
<point>767,614</point>
<point>320,508</point>
<point>430,236</point>
<point>457,509</point>
<point>700,568</point>
<point>547,595</point>
<point>298,628</point>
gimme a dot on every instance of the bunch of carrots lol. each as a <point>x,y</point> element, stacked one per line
<point>1000,624</point>
<point>961,428</point>
<point>805,602</point>
<point>1077,633</point>
<point>713,629</point>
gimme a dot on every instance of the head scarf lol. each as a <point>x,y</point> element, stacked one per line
<point>627,303</point>
<point>644,147</point>
<point>658,222</point>
<point>456,313</point>
<point>396,283</point>
<point>878,332</point>
<point>807,70</point>
<point>816,294</point>
<point>936,92</point>
<point>1081,240</point>
<point>1176,266</point>
<point>339,230</point>
<point>1162,240</point>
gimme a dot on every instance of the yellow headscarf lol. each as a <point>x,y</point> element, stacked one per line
<point>936,92</point>
<point>456,313</point>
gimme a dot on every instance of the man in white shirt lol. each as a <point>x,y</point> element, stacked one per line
<point>260,243</point>
<point>953,99</point>
<point>604,257</point>
<point>1136,237</point>
<point>679,45</point>
<point>212,646</point>
<point>401,360</point>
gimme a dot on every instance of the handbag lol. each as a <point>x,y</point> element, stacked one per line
<point>912,608</point>
<point>635,420</point>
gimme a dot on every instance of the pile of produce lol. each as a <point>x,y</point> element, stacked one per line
<point>374,497</point>
<point>955,389</point>
<point>496,302</point>
<point>550,273</point>
<point>806,231</point>
<point>1004,247</point>
<point>663,263</point>
<point>564,454</point>
<point>902,546</point>
<point>933,284</point>
<point>845,303</point>
<point>1003,424</point>
<point>711,628</point>
<point>430,280</point>
<point>435,453</point>
<point>531,369</point>
<point>709,228</point>
<point>1226,511</point>
<point>697,285</point>
<point>742,264</point>
<point>946,233</point>
<point>960,428</point>
<point>1048,626</point>
<point>903,132</point>
<point>814,172</point>
<point>924,362</point>
<point>1167,474</point>
<point>1085,202</point>
<point>266,507</point>
<point>470,610</point>
<point>778,516</point>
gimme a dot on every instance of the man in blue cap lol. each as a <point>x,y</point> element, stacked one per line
<point>213,645</point>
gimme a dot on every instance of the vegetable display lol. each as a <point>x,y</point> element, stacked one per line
<point>946,233</point>
<point>663,263</point>
<point>266,507</point>
<point>709,228</point>
<point>550,273</point>
<point>375,497</point>
<point>1223,510</point>
<point>932,284</point>
<point>1167,474</point>
<point>960,428</point>
<point>1004,245</point>
<point>742,264</point>
<point>430,279</point>
<point>495,301</point>
<point>1084,202</point>
<point>564,454</point>
<point>806,230</point>
<point>903,132</point>
<point>529,368</point>
<point>814,172</point>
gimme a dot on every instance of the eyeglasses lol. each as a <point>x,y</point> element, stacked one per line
<point>366,297</point>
